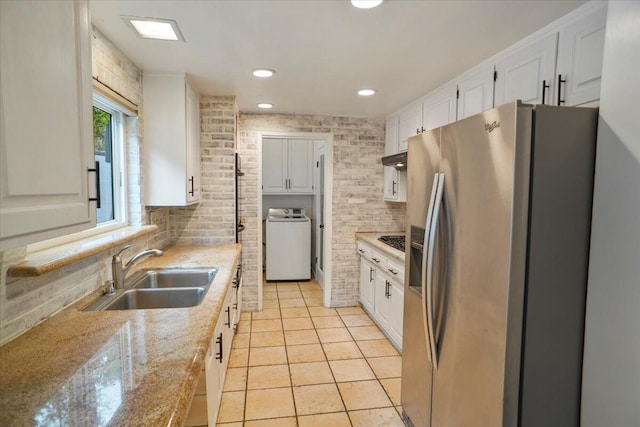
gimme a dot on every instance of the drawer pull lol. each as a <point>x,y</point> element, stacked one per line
<point>392,271</point>
<point>375,259</point>
<point>361,251</point>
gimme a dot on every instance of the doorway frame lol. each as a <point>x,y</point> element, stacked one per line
<point>328,206</point>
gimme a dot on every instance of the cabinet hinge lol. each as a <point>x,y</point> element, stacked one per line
<point>495,75</point>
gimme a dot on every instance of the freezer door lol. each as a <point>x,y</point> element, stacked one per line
<point>471,293</point>
<point>423,159</point>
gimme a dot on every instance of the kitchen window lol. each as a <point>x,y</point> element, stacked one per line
<point>108,136</point>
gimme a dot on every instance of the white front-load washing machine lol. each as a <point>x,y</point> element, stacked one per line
<point>288,244</point>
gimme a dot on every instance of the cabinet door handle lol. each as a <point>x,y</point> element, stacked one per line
<point>228,323</point>
<point>192,192</point>
<point>545,86</point>
<point>97,171</point>
<point>560,81</point>
<point>361,251</point>
<point>417,131</point>
<point>375,259</point>
<point>392,271</point>
<point>422,128</point>
<point>370,274</point>
<point>386,288</point>
<point>393,189</point>
<point>219,342</point>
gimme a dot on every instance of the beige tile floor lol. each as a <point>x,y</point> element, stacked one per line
<point>297,363</point>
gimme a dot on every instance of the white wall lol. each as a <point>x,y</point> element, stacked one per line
<point>611,371</point>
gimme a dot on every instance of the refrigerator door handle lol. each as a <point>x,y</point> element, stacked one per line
<point>425,251</point>
<point>429,276</point>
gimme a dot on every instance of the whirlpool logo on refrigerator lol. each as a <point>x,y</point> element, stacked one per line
<point>489,127</point>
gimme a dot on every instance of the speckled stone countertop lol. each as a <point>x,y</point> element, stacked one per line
<point>372,240</point>
<point>129,367</point>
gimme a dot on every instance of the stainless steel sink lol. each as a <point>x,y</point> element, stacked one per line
<point>171,278</point>
<point>160,288</point>
<point>157,298</point>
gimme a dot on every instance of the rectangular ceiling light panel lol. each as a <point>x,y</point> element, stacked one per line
<point>154,28</point>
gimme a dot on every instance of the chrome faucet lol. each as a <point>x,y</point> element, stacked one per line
<point>119,272</point>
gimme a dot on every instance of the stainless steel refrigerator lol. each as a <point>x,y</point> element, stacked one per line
<point>498,226</point>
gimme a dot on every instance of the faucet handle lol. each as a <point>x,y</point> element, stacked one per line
<point>122,250</point>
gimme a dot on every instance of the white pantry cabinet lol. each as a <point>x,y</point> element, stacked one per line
<point>287,166</point>
<point>171,140</point>
<point>580,50</point>
<point>46,139</point>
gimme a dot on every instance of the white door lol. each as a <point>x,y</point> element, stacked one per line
<point>321,154</point>
<point>439,108</point>
<point>300,166</point>
<point>527,72</point>
<point>410,125</point>
<point>580,58</point>
<point>274,165</point>
<point>475,93</point>
<point>46,147</point>
<point>193,145</point>
<point>367,284</point>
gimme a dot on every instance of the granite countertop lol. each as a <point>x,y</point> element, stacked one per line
<point>372,240</point>
<point>130,367</point>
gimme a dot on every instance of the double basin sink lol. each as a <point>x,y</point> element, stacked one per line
<point>159,288</point>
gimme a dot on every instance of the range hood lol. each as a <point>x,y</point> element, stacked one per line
<point>398,161</point>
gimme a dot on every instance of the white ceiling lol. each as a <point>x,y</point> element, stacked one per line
<point>325,50</point>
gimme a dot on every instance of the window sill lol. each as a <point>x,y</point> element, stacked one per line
<point>47,260</point>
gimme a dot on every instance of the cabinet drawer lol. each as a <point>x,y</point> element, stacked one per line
<point>379,260</point>
<point>395,269</point>
<point>364,250</point>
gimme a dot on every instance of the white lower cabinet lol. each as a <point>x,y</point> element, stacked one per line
<point>367,283</point>
<point>217,357</point>
<point>382,291</point>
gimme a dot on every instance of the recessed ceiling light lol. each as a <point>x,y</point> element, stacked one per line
<point>366,92</point>
<point>265,105</point>
<point>365,4</point>
<point>263,72</point>
<point>154,28</point>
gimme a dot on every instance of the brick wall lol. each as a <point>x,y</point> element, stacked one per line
<point>24,302</point>
<point>357,194</point>
<point>212,220</point>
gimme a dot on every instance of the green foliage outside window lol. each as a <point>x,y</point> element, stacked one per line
<point>101,120</point>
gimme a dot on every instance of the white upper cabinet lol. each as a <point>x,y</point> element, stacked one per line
<point>580,52</point>
<point>527,73</point>
<point>274,165</point>
<point>287,166</point>
<point>46,139</point>
<point>410,124</point>
<point>475,92</point>
<point>395,185</point>
<point>300,166</point>
<point>171,140</point>
<point>391,135</point>
<point>439,108</point>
